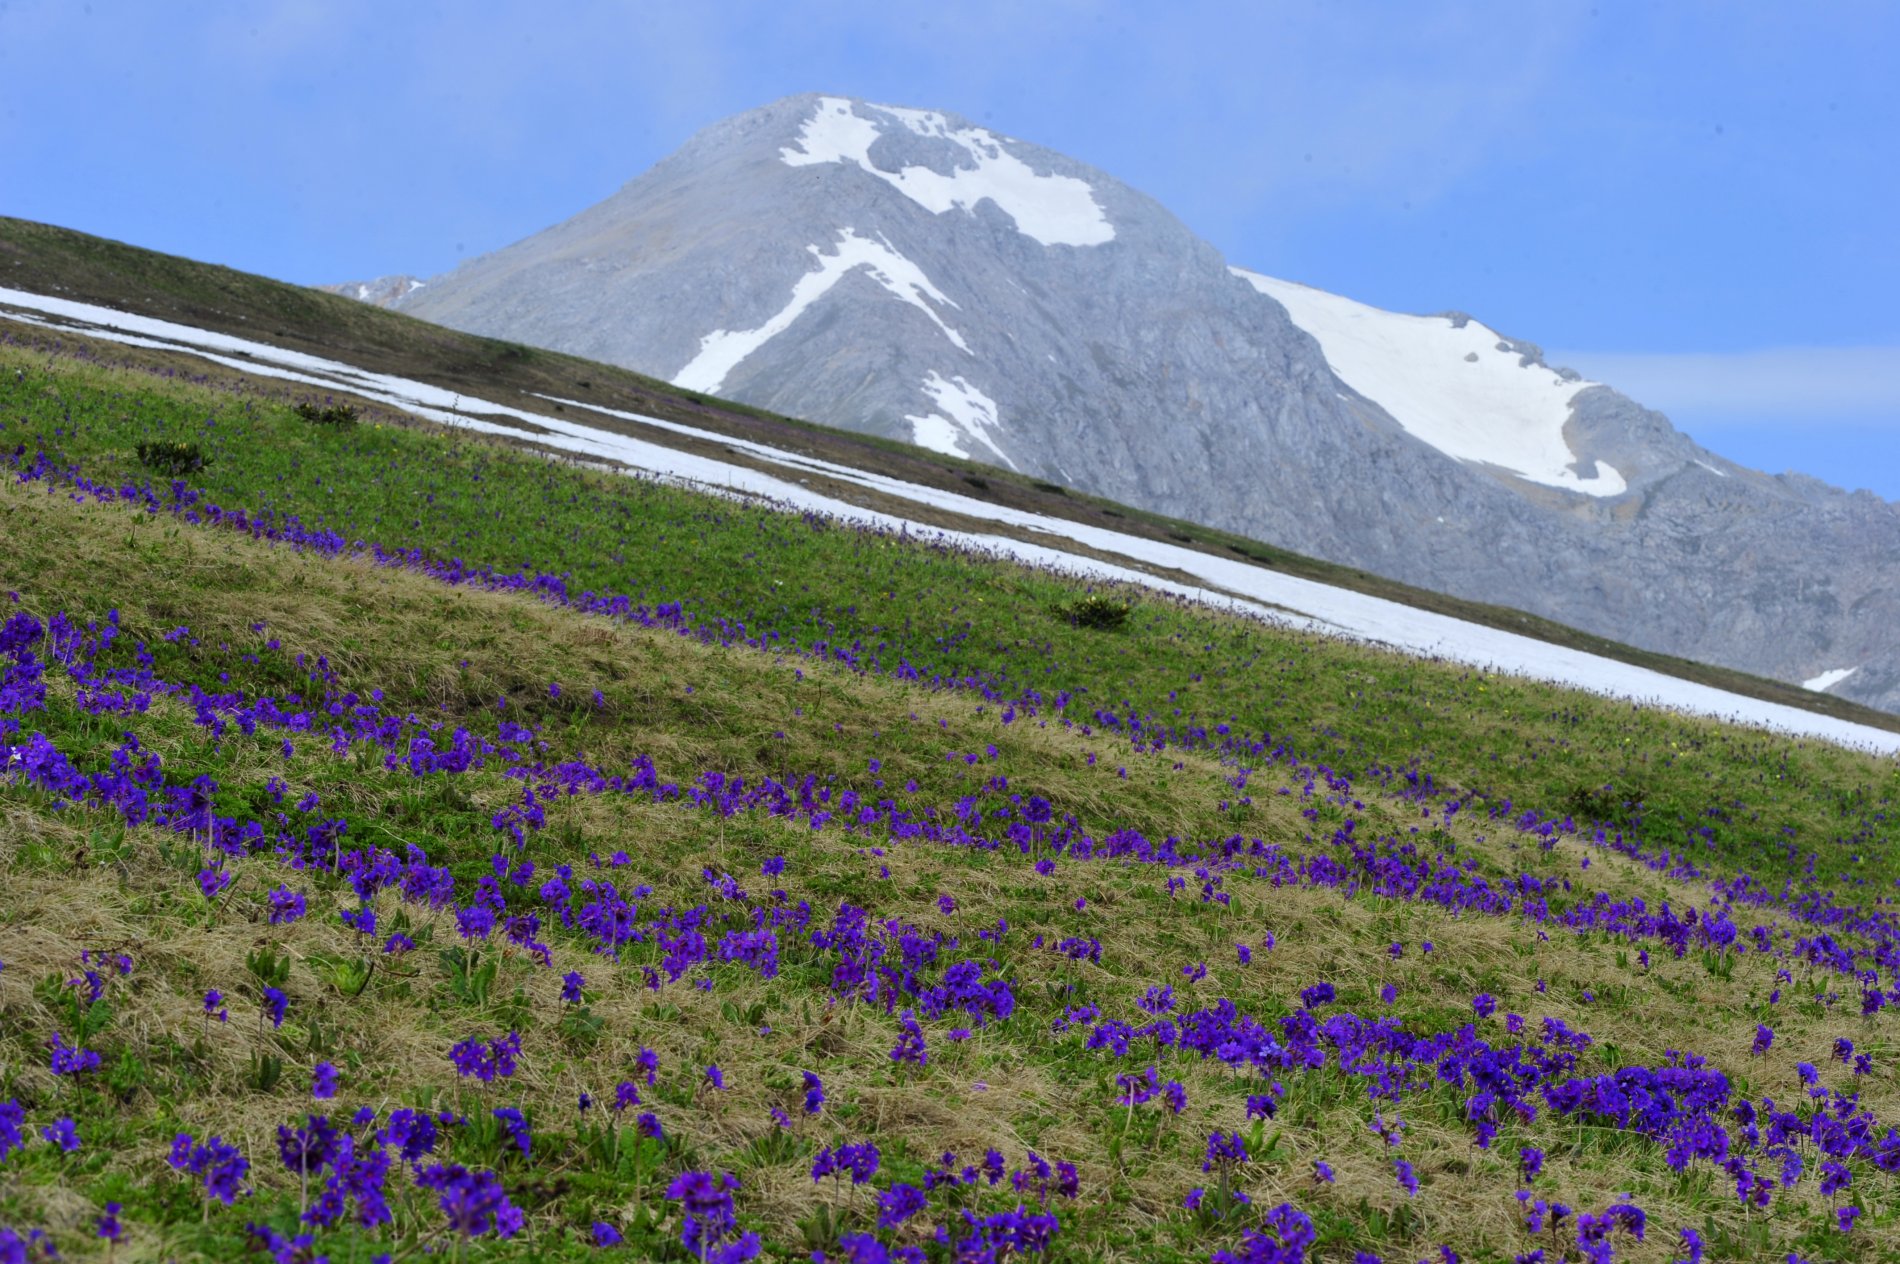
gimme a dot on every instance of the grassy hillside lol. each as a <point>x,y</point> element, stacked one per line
<point>51,260</point>
<point>479,806</point>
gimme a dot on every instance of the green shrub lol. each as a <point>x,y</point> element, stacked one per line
<point>172,459</point>
<point>1605,805</point>
<point>1096,611</point>
<point>339,415</point>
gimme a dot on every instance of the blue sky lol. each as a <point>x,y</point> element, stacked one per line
<point>1693,201</point>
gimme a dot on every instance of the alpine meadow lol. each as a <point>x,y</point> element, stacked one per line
<point>421,843</point>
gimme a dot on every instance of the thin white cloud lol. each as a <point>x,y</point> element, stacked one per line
<point>1777,383</point>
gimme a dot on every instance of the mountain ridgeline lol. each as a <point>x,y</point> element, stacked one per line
<point>909,274</point>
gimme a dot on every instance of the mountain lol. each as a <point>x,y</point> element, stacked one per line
<point>906,273</point>
<point>384,291</point>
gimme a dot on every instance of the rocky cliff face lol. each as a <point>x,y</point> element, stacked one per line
<point>906,273</point>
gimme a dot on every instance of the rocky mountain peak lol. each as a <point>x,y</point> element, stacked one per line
<point>908,273</point>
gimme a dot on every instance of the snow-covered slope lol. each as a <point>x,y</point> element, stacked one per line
<point>1251,589</point>
<point>1452,382</point>
<point>1828,679</point>
<point>723,350</point>
<point>1056,210</point>
<point>970,428</point>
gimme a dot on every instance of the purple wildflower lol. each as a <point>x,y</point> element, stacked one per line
<point>814,1094</point>
<point>323,1081</point>
<point>61,1133</point>
<point>1531,1161</point>
<point>910,1041</point>
<point>1224,1150</point>
<point>274,1004</point>
<point>219,1166</point>
<point>286,906</point>
<point>487,1062</point>
<point>706,1202</point>
<point>473,1202</point>
<point>1408,1180</point>
<point>70,1059</point>
<point>516,1125</point>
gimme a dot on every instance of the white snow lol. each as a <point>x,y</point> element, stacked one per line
<point>972,415</point>
<point>722,350</point>
<point>1828,679</point>
<point>1055,210</point>
<point>1282,598</point>
<point>939,434</point>
<point>1711,469</point>
<point>1492,410</point>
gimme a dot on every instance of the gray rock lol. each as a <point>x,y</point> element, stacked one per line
<point>1009,328</point>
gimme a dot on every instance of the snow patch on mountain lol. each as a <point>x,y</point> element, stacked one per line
<point>1056,210</point>
<point>1828,679</point>
<point>972,416</point>
<point>723,350</point>
<point>1455,384</point>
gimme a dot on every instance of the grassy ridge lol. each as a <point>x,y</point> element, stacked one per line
<point>47,259</point>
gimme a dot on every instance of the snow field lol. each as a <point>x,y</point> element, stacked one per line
<point>1828,679</point>
<point>1054,210</point>
<point>1449,386</point>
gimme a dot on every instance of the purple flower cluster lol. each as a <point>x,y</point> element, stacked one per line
<point>489,1060</point>
<point>708,1220</point>
<point>859,1162</point>
<point>217,1165</point>
<point>474,1202</point>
